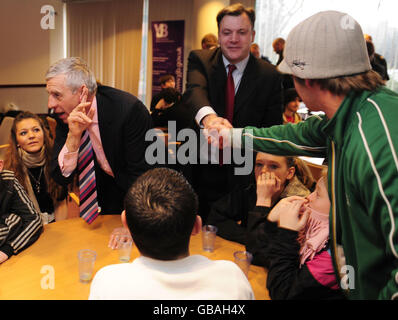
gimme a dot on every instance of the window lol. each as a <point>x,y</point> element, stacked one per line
<point>275,18</point>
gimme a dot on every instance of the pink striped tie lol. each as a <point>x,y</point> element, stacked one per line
<point>87,185</point>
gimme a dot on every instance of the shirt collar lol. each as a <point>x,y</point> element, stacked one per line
<point>240,66</point>
<point>94,106</point>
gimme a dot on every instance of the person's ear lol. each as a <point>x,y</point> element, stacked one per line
<point>291,172</point>
<point>197,227</point>
<point>253,35</point>
<point>83,93</point>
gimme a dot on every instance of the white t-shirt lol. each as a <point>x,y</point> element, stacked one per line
<point>192,278</point>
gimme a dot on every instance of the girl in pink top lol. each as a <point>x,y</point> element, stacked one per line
<point>300,262</point>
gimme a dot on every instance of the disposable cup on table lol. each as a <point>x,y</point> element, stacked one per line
<point>243,259</point>
<point>124,246</point>
<point>209,233</point>
<point>113,242</point>
<point>86,259</point>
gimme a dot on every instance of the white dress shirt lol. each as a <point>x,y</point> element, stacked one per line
<point>237,75</point>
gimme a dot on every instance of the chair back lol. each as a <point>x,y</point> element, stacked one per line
<point>316,169</point>
<point>5,130</point>
<point>52,123</point>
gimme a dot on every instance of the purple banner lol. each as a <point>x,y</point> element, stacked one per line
<point>167,52</point>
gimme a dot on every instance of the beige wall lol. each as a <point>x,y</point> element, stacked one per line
<point>32,99</point>
<point>26,51</point>
<point>205,18</point>
<point>22,35</point>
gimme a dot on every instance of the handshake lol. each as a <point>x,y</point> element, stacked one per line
<point>218,131</point>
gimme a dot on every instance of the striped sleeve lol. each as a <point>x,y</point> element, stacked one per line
<point>22,224</point>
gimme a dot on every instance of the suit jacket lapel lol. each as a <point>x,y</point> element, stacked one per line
<point>247,85</point>
<point>218,79</point>
<point>104,124</point>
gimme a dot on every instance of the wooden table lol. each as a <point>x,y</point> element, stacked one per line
<point>48,269</point>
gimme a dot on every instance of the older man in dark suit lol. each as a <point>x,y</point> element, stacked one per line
<point>100,136</point>
<point>255,98</point>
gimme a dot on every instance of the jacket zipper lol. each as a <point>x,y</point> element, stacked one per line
<point>334,218</point>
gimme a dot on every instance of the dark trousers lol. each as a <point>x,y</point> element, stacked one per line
<point>212,182</point>
<point>110,196</point>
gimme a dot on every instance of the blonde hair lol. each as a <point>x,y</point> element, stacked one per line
<point>209,40</point>
<point>324,175</point>
<point>302,172</point>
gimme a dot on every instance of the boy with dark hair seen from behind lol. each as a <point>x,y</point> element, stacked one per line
<point>160,213</point>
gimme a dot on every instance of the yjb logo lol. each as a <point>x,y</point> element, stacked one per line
<point>161,30</point>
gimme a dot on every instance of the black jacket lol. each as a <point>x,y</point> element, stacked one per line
<point>123,122</point>
<point>278,250</point>
<point>229,214</point>
<point>258,102</point>
<point>20,223</point>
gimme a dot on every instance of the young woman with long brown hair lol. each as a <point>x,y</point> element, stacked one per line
<point>29,157</point>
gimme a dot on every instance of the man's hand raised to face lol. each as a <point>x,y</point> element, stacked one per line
<point>78,121</point>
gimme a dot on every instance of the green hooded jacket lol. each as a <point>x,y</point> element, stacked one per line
<point>360,143</point>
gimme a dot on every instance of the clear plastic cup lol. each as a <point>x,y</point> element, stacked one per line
<point>124,246</point>
<point>86,259</point>
<point>209,233</point>
<point>243,259</point>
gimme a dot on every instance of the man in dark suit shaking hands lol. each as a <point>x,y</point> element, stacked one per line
<point>100,136</point>
<point>255,100</point>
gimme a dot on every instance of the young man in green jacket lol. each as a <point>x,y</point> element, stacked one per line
<point>326,54</point>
